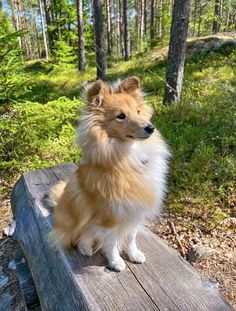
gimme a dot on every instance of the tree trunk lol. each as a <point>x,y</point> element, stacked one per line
<point>152,19</point>
<point>176,54</point>
<point>25,41</point>
<point>160,16</point>
<point>117,28</point>
<point>141,21</point>
<point>121,28</point>
<point>227,21</point>
<point>13,14</point>
<point>43,30</point>
<point>217,17</point>
<point>37,35</point>
<point>145,16</point>
<point>194,18</point>
<point>126,31</point>
<point>27,28</point>
<point>81,52</point>
<point>34,33</point>
<point>201,5</point>
<point>109,27</point>
<point>100,41</point>
<point>48,18</point>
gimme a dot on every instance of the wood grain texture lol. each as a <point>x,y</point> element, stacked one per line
<point>69,281</point>
<point>26,281</point>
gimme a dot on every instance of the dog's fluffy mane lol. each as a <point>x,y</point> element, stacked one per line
<point>89,133</point>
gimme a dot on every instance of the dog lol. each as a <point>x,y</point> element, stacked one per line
<point>120,180</point>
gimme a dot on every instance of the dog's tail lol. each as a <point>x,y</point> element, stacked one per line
<point>56,192</point>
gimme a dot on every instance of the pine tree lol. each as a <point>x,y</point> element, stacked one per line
<point>43,29</point>
<point>109,26</point>
<point>217,17</point>
<point>81,53</point>
<point>99,40</point>
<point>126,30</point>
<point>176,54</point>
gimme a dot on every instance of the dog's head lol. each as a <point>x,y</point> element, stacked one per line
<point>121,110</point>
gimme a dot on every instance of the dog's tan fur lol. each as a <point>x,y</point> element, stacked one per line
<point>108,174</point>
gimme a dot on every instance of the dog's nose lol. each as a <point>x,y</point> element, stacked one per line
<point>149,128</point>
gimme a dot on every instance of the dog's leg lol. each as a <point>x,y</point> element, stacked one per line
<point>134,254</point>
<point>85,245</point>
<point>110,248</point>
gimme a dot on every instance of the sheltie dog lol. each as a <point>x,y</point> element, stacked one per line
<point>120,180</point>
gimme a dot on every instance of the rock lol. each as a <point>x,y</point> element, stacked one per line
<point>12,265</point>
<point>199,252</point>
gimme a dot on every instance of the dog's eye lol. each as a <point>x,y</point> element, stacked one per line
<point>138,111</point>
<point>121,116</point>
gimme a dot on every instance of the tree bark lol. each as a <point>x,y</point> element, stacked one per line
<point>152,19</point>
<point>109,27</point>
<point>48,18</point>
<point>176,54</point>
<point>121,28</point>
<point>160,16</point>
<point>217,17</point>
<point>99,40</point>
<point>145,16</point>
<point>141,21</point>
<point>43,30</point>
<point>25,39</point>
<point>81,52</point>
<point>35,40</point>
<point>194,18</point>
<point>126,31</point>
<point>37,34</point>
<point>13,14</point>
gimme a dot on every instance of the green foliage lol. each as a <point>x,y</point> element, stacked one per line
<point>34,135</point>
<point>11,87</point>
<point>64,54</point>
<point>65,13</point>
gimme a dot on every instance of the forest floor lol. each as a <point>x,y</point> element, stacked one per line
<point>200,210</point>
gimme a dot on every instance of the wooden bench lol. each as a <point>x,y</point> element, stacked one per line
<point>69,281</point>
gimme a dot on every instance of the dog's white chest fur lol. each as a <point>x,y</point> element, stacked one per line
<point>151,160</point>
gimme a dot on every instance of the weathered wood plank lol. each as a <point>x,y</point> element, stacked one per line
<point>69,281</point>
<point>26,281</point>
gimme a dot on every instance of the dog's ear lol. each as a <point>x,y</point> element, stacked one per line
<point>96,92</point>
<point>130,85</point>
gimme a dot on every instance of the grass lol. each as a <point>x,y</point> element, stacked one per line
<point>39,130</point>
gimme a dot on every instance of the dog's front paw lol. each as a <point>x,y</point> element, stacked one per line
<point>137,257</point>
<point>117,264</point>
<point>85,250</point>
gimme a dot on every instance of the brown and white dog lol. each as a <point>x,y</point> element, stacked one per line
<point>120,180</point>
